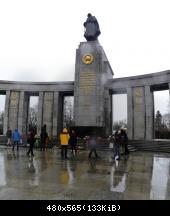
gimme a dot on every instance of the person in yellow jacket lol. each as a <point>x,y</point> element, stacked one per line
<point>64,139</point>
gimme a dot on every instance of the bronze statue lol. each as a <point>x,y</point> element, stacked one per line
<point>92,30</point>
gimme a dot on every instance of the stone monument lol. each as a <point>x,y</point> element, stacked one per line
<point>92,101</point>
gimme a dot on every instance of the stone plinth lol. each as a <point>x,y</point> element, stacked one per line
<point>90,88</point>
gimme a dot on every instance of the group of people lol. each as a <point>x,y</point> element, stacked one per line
<point>67,138</point>
<point>14,139</point>
<point>120,139</point>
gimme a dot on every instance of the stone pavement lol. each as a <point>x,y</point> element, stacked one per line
<point>141,176</point>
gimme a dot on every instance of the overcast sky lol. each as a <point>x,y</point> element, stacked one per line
<point>39,38</point>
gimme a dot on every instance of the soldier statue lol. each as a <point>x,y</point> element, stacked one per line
<point>92,30</point>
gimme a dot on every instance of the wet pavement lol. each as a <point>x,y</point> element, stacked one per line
<point>141,176</point>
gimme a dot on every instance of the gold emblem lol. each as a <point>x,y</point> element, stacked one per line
<point>138,92</point>
<point>88,59</point>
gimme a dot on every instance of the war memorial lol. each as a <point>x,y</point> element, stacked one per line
<point>92,89</point>
<point>143,175</point>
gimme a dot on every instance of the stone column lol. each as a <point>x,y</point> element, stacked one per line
<point>21,112</point>
<point>55,113</point>
<point>149,107</point>
<point>13,109</point>
<point>40,112</point>
<point>130,113</point>
<point>169,97</point>
<point>25,112</point>
<point>6,114</point>
<point>139,112</point>
<point>107,114</point>
<point>48,111</point>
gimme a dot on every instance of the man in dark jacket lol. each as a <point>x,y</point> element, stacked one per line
<point>31,141</point>
<point>124,138</point>
<point>44,137</point>
<point>73,142</point>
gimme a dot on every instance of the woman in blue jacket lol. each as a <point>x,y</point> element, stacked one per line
<point>16,138</point>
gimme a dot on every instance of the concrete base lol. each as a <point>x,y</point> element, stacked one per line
<point>84,131</point>
<point>48,177</point>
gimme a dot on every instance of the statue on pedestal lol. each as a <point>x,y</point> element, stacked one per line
<point>92,30</point>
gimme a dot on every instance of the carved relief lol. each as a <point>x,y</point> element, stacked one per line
<point>138,92</point>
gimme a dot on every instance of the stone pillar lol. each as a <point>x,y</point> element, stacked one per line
<point>169,97</point>
<point>108,114</point>
<point>130,116</point>
<point>48,111</point>
<point>55,113</point>
<point>149,107</point>
<point>25,112</point>
<point>21,111</point>
<point>40,112</point>
<point>91,99</point>
<point>6,114</point>
<point>13,109</point>
<point>139,112</point>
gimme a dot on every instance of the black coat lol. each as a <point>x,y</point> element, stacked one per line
<point>73,139</point>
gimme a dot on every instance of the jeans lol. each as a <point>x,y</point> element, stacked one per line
<point>15,143</point>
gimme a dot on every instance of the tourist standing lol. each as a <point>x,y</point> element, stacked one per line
<point>9,136</point>
<point>16,139</point>
<point>64,139</point>
<point>73,142</point>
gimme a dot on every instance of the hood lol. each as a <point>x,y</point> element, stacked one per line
<point>65,130</point>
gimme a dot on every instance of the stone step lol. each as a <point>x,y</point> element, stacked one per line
<point>151,145</point>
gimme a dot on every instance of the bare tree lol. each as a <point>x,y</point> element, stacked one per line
<point>32,121</point>
<point>68,111</point>
<point>1,122</point>
<point>118,124</point>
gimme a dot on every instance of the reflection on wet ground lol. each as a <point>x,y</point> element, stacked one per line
<point>46,176</point>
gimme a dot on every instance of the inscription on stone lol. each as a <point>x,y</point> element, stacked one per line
<point>14,98</point>
<point>87,82</point>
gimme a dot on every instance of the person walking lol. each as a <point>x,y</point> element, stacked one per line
<point>124,138</point>
<point>117,143</point>
<point>92,142</point>
<point>9,136</point>
<point>44,136</point>
<point>73,142</point>
<point>31,141</point>
<point>16,138</point>
<point>64,139</point>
